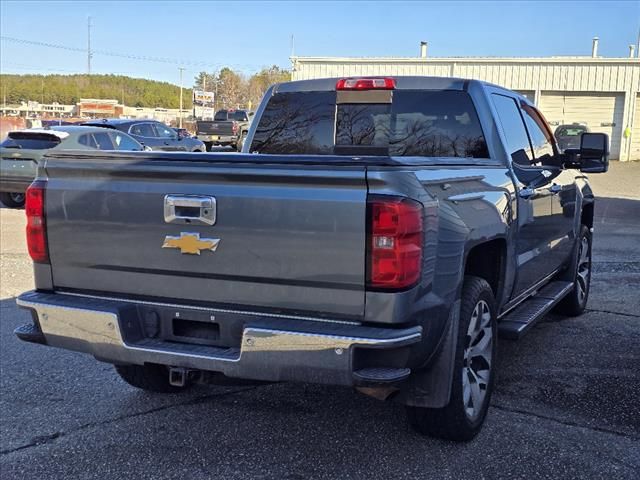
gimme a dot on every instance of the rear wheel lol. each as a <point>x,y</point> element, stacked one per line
<point>473,375</point>
<point>150,377</point>
<point>576,301</point>
<point>12,199</point>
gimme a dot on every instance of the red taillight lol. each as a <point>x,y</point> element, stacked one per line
<point>36,224</point>
<point>384,83</point>
<point>395,243</point>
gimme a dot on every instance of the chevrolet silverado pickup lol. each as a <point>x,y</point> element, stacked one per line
<point>378,233</point>
<point>228,128</point>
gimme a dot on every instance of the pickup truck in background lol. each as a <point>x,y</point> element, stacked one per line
<point>380,234</point>
<point>228,128</point>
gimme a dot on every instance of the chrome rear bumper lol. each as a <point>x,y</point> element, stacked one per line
<point>271,349</point>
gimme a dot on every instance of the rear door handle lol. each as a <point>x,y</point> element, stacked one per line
<point>190,209</point>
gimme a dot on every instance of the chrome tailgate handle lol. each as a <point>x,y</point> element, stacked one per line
<point>190,209</point>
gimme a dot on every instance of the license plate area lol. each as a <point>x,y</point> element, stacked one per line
<point>194,331</point>
<point>190,326</point>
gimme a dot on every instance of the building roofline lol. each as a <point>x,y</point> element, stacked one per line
<point>436,60</point>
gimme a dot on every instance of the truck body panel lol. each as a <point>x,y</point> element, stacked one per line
<point>290,239</point>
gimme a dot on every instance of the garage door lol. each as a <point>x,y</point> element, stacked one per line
<point>601,112</point>
<point>635,133</point>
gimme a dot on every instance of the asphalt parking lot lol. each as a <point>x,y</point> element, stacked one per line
<point>567,403</point>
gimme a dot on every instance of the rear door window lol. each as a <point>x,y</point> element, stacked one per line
<point>163,131</point>
<point>103,140</point>
<point>88,140</point>
<point>438,123</point>
<point>125,142</point>
<point>142,130</point>
<point>514,130</point>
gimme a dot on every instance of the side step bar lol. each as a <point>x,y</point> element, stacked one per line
<point>517,322</point>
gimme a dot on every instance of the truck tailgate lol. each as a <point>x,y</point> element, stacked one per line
<point>215,128</point>
<point>291,237</point>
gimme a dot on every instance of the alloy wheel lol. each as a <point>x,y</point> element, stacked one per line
<point>583,276</point>
<point>478,352</point>
<point>17,197</point>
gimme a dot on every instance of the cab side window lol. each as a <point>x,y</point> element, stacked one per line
<point>541,140</point>
<point>103,140</point>
<point>142,130</point>
<point>514,130</point>
<point>164,132</point>
<point>124,142</point>
<point>87,139</point>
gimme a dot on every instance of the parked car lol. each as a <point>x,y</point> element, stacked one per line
<point>151,133</point>
<point>21,151</point>
<point>381,234</point>
<point>228,128</point>
<point>568,136</point>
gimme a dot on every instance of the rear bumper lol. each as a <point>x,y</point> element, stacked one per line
<point>218,138</point>
<point>272,348</point>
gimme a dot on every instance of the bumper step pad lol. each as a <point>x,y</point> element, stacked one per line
<point>30,333</point>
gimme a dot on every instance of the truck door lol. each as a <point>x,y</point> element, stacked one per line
<point>535,233</point>
<point>562,188</point>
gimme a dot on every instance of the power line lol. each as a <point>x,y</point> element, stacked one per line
<point>91,53</point>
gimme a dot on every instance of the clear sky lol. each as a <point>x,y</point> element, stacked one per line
<point>251,35</point>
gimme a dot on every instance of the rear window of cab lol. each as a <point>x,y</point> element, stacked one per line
<point>426,123</point>
<point>30,141</point>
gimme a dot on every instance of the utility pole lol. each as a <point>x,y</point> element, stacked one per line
<point>180,114</point>
<point>89,54</point>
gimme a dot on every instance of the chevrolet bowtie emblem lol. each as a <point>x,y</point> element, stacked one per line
<point>191,243</point>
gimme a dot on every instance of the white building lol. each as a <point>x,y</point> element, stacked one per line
<point>604,93</point>
<point>166,115</point>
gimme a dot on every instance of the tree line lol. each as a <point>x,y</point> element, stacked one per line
<point>233,89</point>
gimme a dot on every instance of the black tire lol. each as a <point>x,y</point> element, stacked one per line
<point>207,146</point>
<point>575,302</point>
<point>12,199</point>
<point>153,378</point>
<point>462,419</point>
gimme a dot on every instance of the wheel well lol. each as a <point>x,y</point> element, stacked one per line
<point>587,214</point>
<point>487,261</point>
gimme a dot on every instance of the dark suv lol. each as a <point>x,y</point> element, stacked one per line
<point>153,134</point>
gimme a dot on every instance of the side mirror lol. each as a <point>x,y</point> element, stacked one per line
<point>594,152</point>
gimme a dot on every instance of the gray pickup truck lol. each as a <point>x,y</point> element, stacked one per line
<point>228,128</point>
<point>375,232</point>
